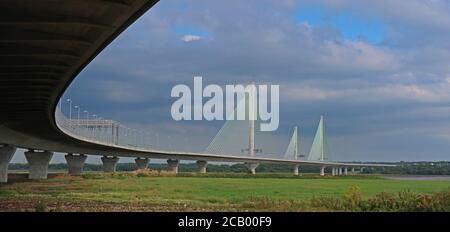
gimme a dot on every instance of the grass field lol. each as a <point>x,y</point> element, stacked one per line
<point>96,192</point>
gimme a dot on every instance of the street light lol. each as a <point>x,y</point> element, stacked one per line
<point>100,131</point>
<point>94,127</point>
<point>78,114</point>
<point>87,122</point>
<point>69,101</point>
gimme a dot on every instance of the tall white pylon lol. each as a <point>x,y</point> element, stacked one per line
<point>293,148</point>
<point>319,149</point>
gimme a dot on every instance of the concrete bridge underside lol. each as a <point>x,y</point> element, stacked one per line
<point>43,46</point>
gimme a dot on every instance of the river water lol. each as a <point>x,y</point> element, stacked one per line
<point>417,177</point>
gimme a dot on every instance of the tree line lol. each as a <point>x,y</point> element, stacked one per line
<point>408,168</point>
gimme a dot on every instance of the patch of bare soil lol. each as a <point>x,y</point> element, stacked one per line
<point>36,205</point>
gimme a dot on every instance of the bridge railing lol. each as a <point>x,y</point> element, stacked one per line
<point>107,132</point>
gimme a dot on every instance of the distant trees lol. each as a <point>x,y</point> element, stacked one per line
<point>414,168</point>
<point>410,168</point>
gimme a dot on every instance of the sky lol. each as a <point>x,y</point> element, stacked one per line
<point>377,70</point>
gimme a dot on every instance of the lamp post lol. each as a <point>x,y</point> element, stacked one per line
<point>87,122</point>
<point>100,130</point>
<point>69,101</point>
<point>78,117</point>
<point>94,127</point>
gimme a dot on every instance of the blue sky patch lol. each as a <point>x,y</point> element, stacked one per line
<point>350,25</point>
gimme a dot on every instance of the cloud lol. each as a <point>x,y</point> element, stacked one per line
<point>392,92</point>
<point>357,56</point>
<point>190,38</point>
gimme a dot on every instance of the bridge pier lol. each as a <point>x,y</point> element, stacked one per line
<point>38,162</point>
<point>361,170</point>
<point>252,167</point>
<point>296,168</point>
<point>322,171</point>
<point>75,163</point>
<point>142,163</point>
<point>109,163</point>
<point>345,171</point>
<point>333,171</point>
<point>172,165</point>
<point>6,154</point>
<point>340,171</point>
<point>202,164</point>
<point>353,171</point>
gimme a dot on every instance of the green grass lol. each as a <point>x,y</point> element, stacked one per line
<point>200,193</point>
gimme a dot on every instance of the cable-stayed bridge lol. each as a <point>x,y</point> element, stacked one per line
<point>236,141</point>
<point>44,46</point>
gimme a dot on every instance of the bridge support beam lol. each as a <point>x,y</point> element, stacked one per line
<point>38,162</point>
<point>353,171</point>
<point>6,154</point>
<point>142,163</point>
<point>345,171</point>
<point>109,163</point>
<point>340,171</point>
<point>361,170</point>
<point>322,171</point>
<point>172,165</point>
<point>296,168</point>
<point>202,164</point>
<point>75,163</point>
<point>333,171</point>
<point>252,167</point>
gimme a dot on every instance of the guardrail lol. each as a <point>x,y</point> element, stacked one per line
<point>107,132</point>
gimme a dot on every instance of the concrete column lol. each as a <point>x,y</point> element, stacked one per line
<point>340,171</point>
<point>361,170</point>
<point>38,162</point>
<point>172,165</point>
<point>75,163</point>
<point>142,163</point>
<point>345,171</point>
<point>252,167</point>
<point>296,167</point>
<point>353,171</point>
<point>202,164</point>
<point>333,171</point>
<point>322,171</point>
<point>109,163</point>
<point>6,154</point>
